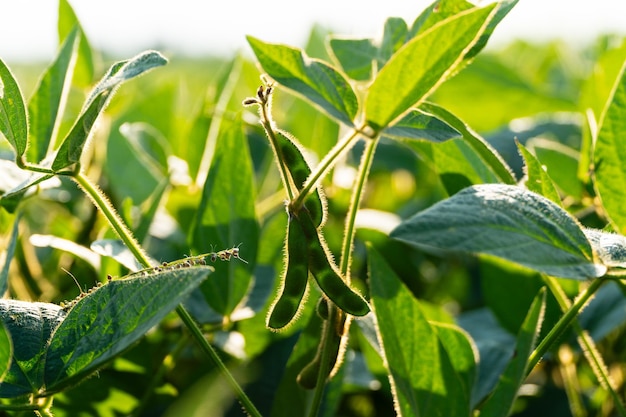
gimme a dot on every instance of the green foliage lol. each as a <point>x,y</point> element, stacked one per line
<point>462,207</point>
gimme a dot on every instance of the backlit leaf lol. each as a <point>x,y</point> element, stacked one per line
<point>508,222</point>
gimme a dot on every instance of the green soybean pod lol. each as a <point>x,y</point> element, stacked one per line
<point>326,272</point>
<point>299,169</point>
<point>308,376</point>
<point>295,279</point>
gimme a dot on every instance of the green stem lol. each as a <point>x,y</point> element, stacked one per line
<point>105,206</point>
<point>266,121</point>
<point>559,328</point>
<point>114,219</point>
<point>344,266</point>
<point>327,335</point>
<point>327,163</point>
<point>209,351</point>
<point>588,346</point>
<point>355,202</point>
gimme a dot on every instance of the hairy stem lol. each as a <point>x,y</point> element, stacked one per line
<point>116,222</point>
<point>588,346</point>
<point>344,267</point>
<point>266,122</point>
<point>327,163</point>
<point>561,326</point>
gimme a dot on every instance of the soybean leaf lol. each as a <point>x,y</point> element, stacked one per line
<point>226,217</point>
<point>6,351</point>
<point>150,145</point>
<point>111,318</point>
<point>421,65</point>
<point>13,122</point>
<point>312,78</point>
<point>45,107</point>
<point>504,7</point>
<point>422,374</point>
<point>537,179</point>
<point>356,56</point>
<point>462,352</point>
<point>499,404</point>
<point>457,164</point>
<point>8,257</point>
<point>480,145</point>
<point>561,162</point>
<point>395,34</point>
<point>610,154</point>
<point>31,326</point>
<point>443,9</point>
<point>508,222</point>
<point>84,71</point>
<point>495,347</point>
<point>418,124</point>
<point>71,149</point>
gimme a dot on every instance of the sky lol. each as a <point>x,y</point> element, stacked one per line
<point>126,27</point>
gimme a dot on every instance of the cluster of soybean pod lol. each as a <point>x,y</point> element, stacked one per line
<point>306,250</point>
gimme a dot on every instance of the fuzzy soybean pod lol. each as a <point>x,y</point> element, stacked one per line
<point>299,169</point>
<point>295,279</point>
<point>326,272</point>
<point>308,376</point>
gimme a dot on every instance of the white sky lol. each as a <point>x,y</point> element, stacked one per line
<point>125,27</point>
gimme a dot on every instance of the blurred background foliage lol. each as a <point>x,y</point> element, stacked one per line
<point>147,154</point>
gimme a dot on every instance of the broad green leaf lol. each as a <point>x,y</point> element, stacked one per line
<point>31,326</point>
<point>537,179</point>
<point>457,164</point>
<point>610,154</point>
<point>7,257</point>
<point>508,222</point>
<point>13,119</point>
<point>495,346</point>
<point>134,174</point>
<point>226,217</point>
<point>421,65</point>
<point>149,144</point>
<point>111,318</point>
<point>84,72</point>
<point>480,145</point>
<point>423,376</point>
<point>312,78</point>
<point>356,56</point>
<point>561,162</point>
<point>500,403</point>
<point>439,10</point>
<point>72,147</point>
<point>6,351</point>
<point>504,7</point>
<point>461,351</point>
<point>46,106</point>
<point>395,35</point>
<point>420,125</point>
